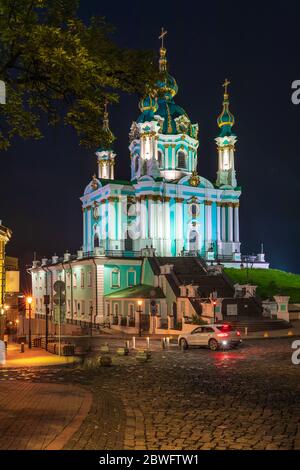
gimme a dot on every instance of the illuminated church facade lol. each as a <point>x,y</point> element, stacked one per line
<point>159,239</point>
<point>166,205</point>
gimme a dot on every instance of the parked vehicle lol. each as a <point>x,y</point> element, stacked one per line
<point>215,336</point>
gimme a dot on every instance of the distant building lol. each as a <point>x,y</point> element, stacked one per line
<point>5,235</point>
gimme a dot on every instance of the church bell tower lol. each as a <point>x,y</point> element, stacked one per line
<point>105,155</point>
<point>226,176</point>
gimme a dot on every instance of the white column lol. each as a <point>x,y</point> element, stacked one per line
<point>218,222</point>
<point>208,222</point>
<point>223,223</point>
<point>179,225</point>
<point>150,218</point>
<point>166,227</point>
<point>111,223</point>
<point>230,223</point>
<point>89,231</point>
<point>143,218</point>
<point>103,220</point>
<point>112,170</point>
<point>236,223</point>
<point>173,157</point>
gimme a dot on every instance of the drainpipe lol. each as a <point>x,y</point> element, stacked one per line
<point>96,285</point>
<point>72,311</point>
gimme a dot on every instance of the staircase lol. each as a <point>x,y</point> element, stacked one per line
<point>257,324</point>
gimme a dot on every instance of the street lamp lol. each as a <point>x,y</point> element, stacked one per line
<point>29,301</point>
<point>139,311</point>
<point>214,304</point>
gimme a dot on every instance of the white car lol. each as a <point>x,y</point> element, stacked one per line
<point>214,336</point>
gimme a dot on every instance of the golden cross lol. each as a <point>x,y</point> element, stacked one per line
<point>162,35</point>
<point>225,85</point>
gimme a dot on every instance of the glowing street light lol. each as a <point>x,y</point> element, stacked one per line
<point>29,301</point>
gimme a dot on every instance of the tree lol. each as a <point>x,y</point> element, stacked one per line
<point>55,65</point>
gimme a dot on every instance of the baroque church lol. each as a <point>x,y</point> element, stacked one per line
<point>157,237</point>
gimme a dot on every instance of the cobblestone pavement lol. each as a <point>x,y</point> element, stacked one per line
<point>34,415</point>
<point>248,398</point>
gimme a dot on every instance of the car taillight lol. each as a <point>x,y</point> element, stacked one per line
<point>222,335</point>
<point>238,333</point>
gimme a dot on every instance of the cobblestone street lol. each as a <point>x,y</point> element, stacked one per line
<point>248,398</point>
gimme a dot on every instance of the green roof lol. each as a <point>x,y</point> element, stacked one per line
<point>104,182</point>
<point>141,291</point>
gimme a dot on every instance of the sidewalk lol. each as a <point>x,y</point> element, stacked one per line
<point>34,357</point>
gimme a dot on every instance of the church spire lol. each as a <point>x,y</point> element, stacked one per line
<point>106,157</point>
<point>226,141</point>
<point>226,118</point>
<point>162,52</point>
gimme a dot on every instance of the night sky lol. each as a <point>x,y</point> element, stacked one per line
<point>255,45</point>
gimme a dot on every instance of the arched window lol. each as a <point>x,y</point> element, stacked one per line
<point>181,160</point>
<point>193,241</point>
<point>160,160</point>
<point>136,164</point>
<point>96,241</point>
<point>194,210</point>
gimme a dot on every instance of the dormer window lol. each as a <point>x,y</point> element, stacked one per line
<point>181,160</point>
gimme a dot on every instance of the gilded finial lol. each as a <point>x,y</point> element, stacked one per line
<point>194,179</point>
<point>162,51</point>
<point>161,36</point>
<point>94,182</point>
<point>225,85</point>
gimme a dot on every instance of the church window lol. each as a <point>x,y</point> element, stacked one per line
<point>160,159</point>
<point>96,241</point>
<point>181,159</point>
<point>115,278</point>
<point>136,164</point>
<point>194,210</point>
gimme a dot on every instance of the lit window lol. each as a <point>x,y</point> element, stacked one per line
<point>181,160</point>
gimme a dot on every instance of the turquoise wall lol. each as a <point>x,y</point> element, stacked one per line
<point>108,268</point>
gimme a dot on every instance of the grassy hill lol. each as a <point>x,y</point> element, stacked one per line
<point>269,281</point>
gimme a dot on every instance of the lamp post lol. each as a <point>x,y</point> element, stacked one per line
<point>214,304</point>
<point>29,301</point>
<point>139,311</point>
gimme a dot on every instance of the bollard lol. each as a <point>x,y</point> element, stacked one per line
<point>148,342</point>
<point>22,347</point>
<point>127,345</point>
<point>167,342</point>
<point>246,330</point>
<point>163,343</point>
<point>133,342</point>
<point>290,333</point>
<point>266,334</point>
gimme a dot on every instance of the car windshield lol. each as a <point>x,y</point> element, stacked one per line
<point>225,328</point>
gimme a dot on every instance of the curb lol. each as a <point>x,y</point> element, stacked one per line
<point>61,440</point>
<point>247,338</point>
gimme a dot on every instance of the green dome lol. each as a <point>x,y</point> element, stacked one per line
<point>168,110</point>
<point>167,86</point>
<point>226,119</point>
